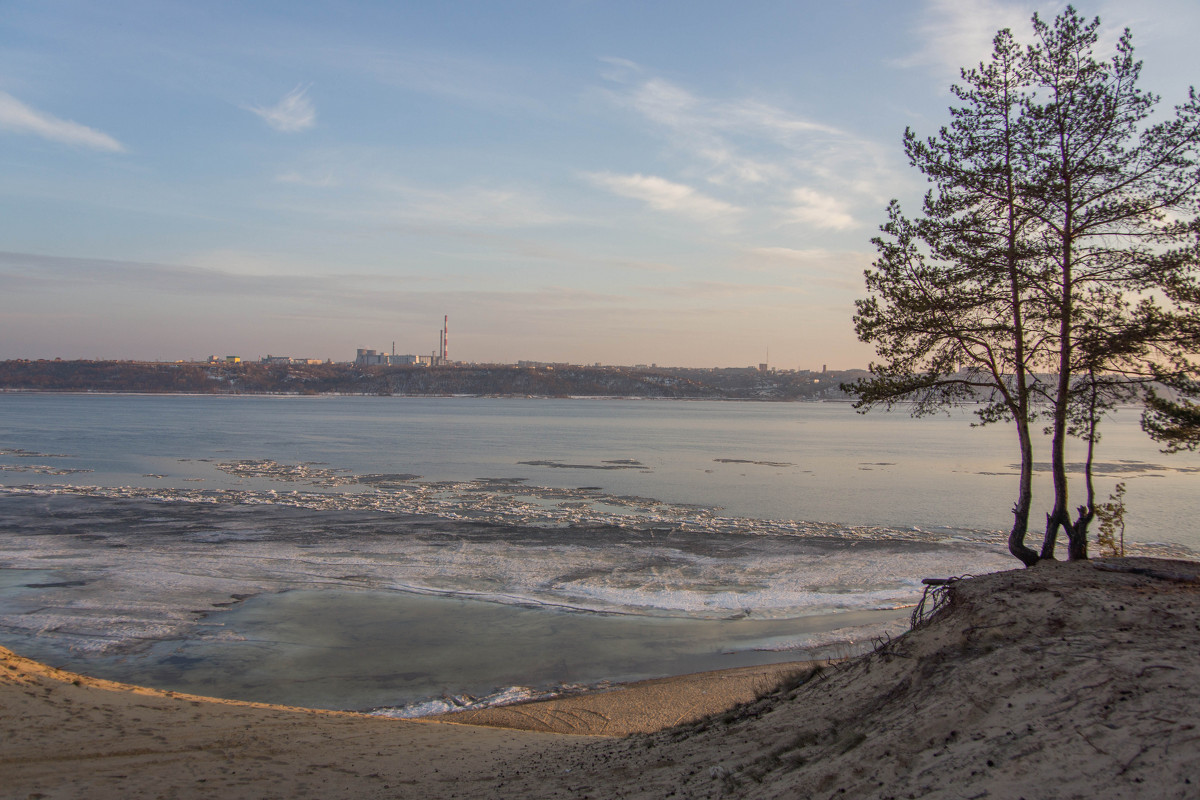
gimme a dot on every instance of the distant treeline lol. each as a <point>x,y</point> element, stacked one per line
<point>503,380</point>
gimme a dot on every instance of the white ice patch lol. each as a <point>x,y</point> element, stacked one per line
<point>155,572</point>
<point>448,704</point>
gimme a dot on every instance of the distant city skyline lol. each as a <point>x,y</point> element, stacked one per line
<point>686,184</point>
<point>376,357</point>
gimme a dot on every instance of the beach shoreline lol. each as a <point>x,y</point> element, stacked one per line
<point>641,706</point>
<point>1064,680</point>
<point>69,734</point>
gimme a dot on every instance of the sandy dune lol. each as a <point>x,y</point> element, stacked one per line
<point>1063,681</point>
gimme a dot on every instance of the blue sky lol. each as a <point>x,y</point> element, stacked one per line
<point>682,183</point>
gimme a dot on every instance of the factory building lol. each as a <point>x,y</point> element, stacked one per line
<point>374,358</point>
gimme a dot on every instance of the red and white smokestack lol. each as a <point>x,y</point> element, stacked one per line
<point>446,338</point>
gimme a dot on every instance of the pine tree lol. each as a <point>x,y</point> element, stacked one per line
<point>950,290</point>
<point>1059,238</point>
<point>1104,189</point>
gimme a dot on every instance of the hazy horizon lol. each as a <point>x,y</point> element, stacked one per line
<point>260,358</point>
<point>671,183</point>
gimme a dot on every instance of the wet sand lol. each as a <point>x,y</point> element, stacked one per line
<point>642,707</point>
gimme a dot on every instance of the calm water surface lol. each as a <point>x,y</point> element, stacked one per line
<point>363,551</point>
<point>810,461</point>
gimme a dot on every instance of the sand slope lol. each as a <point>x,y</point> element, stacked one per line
<point>1063,681</point>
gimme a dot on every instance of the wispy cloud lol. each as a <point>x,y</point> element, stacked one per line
<point>755,152</point>
<point>720,133</point>
<point>672,105</point>
<point>292,114</point>
<point>664,195</point>
<point>820,210</point>
<point>20,118</point>
<point>958,33</point>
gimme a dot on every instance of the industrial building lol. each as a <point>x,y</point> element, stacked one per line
<point>374,358</point>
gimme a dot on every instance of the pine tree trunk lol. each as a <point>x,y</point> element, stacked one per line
<point>1016,538</point>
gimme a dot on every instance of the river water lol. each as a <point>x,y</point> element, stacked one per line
<point>417,553</point>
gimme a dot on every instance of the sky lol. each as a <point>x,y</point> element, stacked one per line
<point>690,183</point>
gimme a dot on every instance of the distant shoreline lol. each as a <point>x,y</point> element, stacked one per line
<point>559,382</point>
<point>303,395</point>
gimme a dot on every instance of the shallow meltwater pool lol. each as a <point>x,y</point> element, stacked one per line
<point>367,650</point>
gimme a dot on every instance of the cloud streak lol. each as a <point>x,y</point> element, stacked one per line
<point>20,118</point>
<point>719,130</point>
<point>753,152</point>
<point>959,33</point>
<point>820,210</point>
<point>664,195</point>
<point>292,114</point>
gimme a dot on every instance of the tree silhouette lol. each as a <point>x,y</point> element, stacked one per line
<point>1053,270</point>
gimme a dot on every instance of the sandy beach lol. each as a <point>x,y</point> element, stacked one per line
<point>1066,680</point>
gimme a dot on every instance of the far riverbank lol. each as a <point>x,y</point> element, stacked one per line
<point>500,380</point>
